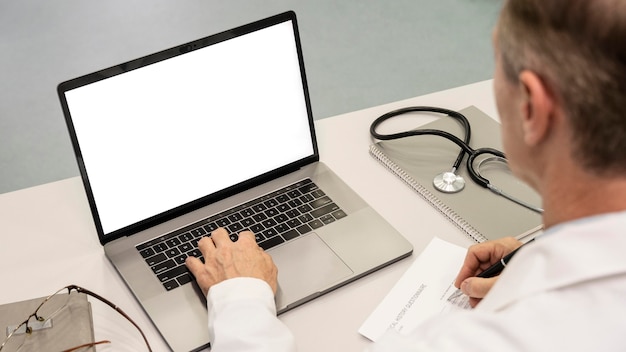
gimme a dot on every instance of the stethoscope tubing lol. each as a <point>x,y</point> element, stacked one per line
<point>465,148</point>
<point>473,154</point>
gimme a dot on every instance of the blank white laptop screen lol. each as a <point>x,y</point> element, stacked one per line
<point>169,133</point>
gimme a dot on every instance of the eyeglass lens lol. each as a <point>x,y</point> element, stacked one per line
<point>41,320</point>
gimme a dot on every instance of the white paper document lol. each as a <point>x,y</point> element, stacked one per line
<point>422,291</point>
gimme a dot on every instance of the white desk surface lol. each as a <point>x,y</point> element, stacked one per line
<point>48,239</point>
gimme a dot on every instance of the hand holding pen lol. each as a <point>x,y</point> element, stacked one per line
<point>482,264</point>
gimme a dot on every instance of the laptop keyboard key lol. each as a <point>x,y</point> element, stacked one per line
<point>160,247</point>
<point>172,274</point>
<point>163,266</point>
<point>292,213</point>
<point>258,237</point>
<point>172,252</point>
<point>271,242</point>
<point>170,285</point>
<point>173,242</point>
<point>156,259</point>
<point>283,207</point>
<point>195,241</point>
<point>259,217</point>
<point>270,203</point>
<point>318,193</point>
<point>291,234</point>
<point>308,188</point>
<point>303,229</point>
<point>223,222</point>
<point>281,228</point>
<point>317,213</point>
<point>271,212</point>
<point>269,223</point>
<point>294,203</point>
<point>307,198</point>
<point>294,194</point>
<point>281,218</point>
<point>147,253</point>
<point>320,202</point>
<point>259,207</point>
<point>247,222</point>
<point>305,217</point>
<point>194,253</point>
<point>235,217</point>
<point>198,232</point>
<point>187,236</point>
<point>184,279</point>
<point>270,233</point>
<point>185,247</point>
<point>180,260</point>
<point>236,227</point>
<point>294,223</point>
<point>247,212</point>
<point>315,224</point>
<point>327,219</point>
<point>257,228</point>
<point>339,214</point>
<point>210,227</point>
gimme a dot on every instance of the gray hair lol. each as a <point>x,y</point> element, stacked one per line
<point>578,48</point>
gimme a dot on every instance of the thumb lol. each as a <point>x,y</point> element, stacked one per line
<point>477,287</point>
<point>197,269</point>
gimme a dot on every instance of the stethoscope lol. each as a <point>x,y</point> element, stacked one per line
<point>450,181</point>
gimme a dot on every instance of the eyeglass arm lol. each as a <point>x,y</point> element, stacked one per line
<point>112,305</point>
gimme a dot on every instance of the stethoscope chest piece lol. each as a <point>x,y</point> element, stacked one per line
<point>449,182</point>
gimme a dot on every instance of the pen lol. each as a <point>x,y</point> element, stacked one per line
<point>493,270</point>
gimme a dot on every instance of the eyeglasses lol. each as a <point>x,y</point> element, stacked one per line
<point>18,336</point>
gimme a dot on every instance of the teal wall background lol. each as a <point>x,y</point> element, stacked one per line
<point>358,54</point>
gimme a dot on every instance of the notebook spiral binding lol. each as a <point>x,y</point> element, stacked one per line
<point>450,214</point>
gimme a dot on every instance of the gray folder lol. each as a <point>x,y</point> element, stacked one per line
<point>481,214</point>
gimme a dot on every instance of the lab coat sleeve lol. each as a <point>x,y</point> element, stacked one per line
<point>242,317</point>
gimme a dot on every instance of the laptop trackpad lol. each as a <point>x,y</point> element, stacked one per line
<point>306,267</point>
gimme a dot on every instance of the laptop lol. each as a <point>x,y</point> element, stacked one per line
<point>213,133</point>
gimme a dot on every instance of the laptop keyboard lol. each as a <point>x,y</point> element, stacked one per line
<point>274,218</point>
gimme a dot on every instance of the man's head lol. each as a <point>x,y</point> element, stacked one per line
<point>576,50</point>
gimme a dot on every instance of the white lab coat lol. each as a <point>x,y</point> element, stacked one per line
<point>565,292</point>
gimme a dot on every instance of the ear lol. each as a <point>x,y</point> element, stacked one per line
<point>537,108</point>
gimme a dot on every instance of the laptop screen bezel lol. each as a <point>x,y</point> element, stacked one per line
<point>164,55</point>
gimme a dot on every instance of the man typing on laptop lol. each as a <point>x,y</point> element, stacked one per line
<point>150,137</point>
<point>559,86</point>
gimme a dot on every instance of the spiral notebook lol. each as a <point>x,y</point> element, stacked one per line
<point>478,212</point>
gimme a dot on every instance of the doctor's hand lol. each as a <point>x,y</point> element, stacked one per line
<point>478,258</point>
<point>225,260</point>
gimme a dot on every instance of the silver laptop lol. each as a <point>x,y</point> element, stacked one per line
<point>217,133</point>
